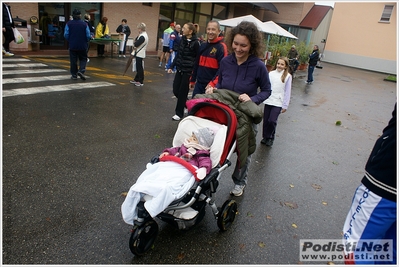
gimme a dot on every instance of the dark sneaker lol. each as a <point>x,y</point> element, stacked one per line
<point>263,141</point>
<point>74,77</point>
<point>81,75</point>
<point>269,142</point>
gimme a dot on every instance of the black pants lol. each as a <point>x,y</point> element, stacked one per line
<point>8,38</point>
<point>100,49</point>
<point>140,70</point>
<point>180,90</point>
<point>74,56</point>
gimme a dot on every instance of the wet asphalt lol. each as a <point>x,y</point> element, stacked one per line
<point>69,156</point>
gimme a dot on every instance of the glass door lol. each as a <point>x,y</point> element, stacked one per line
<point>52,20</point>
<point>54,16</point>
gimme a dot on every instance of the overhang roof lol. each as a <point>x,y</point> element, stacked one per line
<point>315,16</point>
<point>267,6</point>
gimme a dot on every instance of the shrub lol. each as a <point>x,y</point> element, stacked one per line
<point>278,46</point>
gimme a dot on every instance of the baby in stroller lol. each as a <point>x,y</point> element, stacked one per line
<point>171,177</point>
<point>173,188</point>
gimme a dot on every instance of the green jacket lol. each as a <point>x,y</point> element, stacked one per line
<point>247,113</point>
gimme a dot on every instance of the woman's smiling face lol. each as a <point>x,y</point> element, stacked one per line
<point>241,47</point>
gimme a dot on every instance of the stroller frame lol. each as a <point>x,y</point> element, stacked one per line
<point>145,229</point>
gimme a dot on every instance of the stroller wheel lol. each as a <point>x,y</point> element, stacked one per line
<point>227,214</point>
<point>143,237</point>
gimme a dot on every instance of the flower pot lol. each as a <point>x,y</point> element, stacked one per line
<point>302,66</point>
<point>269,67</point>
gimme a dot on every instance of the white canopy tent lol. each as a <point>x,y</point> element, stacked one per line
<point>274,28</point>
<point>235,21</point>
<point>267,27</point>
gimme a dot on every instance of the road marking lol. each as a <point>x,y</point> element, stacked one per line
<point>54,88</point>
<point>15,59</point>
<point>37,79</point>
<point>9,72</point>
<point>28,65</point>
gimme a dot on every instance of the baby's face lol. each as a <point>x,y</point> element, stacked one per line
<point>193,139</point>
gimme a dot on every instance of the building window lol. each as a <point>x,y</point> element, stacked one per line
<point>220,11</point>
<point>386,14</point>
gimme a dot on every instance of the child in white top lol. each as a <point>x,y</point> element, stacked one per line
<point>278,101</point>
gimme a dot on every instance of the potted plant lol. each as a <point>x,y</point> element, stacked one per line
<point>304,52</point>
<point>278,47</point>
<point>273,46</point>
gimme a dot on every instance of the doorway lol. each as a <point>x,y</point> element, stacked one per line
<point>53,18</point>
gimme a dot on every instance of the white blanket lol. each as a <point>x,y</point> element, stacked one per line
<point>164,182</point>
<point>168,181</point>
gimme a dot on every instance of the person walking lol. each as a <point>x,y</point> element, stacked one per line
<point>8,25</point>
<point>123,30</point>
<point>102,31</point>
<point>87,18</point>
<point>243,72</point>
<point>372,214</point>
<point>207,64</point>
<point>184,62</point>
<point>174,44</point>
<point>313,58</point>
<point>278,101</point>
<point>165,47</point>
<point>77,33</point>
<point>139,51</point>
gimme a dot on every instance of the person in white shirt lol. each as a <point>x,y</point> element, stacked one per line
<point>140,47</point>
<point>278,101</point>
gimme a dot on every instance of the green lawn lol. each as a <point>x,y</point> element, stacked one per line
<point>391,78</point>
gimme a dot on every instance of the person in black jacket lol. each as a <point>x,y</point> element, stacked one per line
<point>8,25</point>
<point>125,30</point>
<point>313,58</point>
<point>372,214</point>
<point>184,62</point>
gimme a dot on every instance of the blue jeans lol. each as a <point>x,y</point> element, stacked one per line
<point>74,56</point>
<point>310,74</point>
<point>240,175</point>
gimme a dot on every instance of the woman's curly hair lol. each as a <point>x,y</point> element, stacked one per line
<point>250,30</point>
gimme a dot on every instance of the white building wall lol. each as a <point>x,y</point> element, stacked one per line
<point>361,62</point>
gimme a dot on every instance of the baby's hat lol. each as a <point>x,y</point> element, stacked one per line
<point>205,136</point>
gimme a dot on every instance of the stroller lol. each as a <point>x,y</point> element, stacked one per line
<point>189,209</point>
